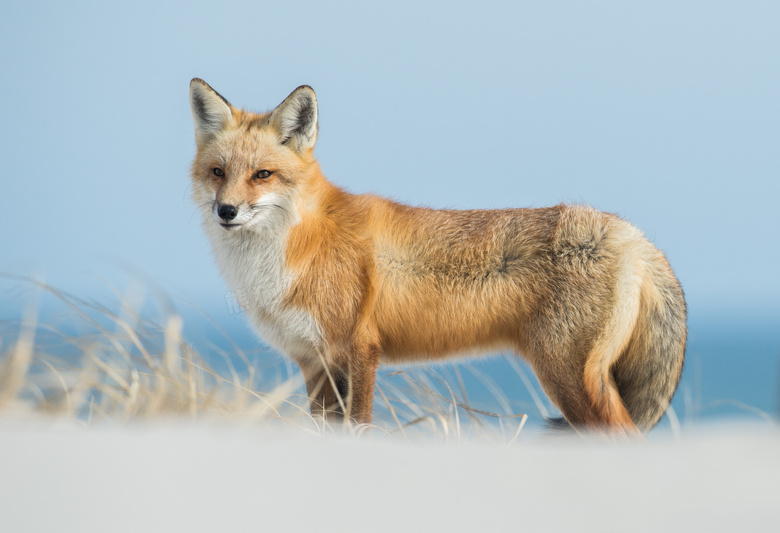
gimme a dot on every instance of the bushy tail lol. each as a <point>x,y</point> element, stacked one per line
<point>648,371</point>
<point>633,368</point>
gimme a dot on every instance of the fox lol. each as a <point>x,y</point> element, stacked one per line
<point>341,283</point>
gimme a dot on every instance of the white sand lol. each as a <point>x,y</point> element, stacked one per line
<point>211,478</point>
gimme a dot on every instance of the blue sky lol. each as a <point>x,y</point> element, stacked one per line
<point>667,113</point>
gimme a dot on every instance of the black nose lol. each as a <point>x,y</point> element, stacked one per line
<point>227,212</point>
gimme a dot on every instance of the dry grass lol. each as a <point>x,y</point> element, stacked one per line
<point>122,366</point>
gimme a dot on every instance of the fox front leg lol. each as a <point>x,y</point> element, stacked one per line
<point>339,391</point>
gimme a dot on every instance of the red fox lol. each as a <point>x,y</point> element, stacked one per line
<point>341,282</point>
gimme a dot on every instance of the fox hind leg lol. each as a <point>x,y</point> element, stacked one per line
<point>585,406</point>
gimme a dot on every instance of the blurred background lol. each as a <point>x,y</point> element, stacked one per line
<point>666,113</point>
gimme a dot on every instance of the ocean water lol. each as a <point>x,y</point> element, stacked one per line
<point>732,367</point>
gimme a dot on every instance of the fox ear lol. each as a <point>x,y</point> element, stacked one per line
<point>296,119</point>
<point>210,111</point>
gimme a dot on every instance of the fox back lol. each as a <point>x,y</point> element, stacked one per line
<point>341,282</point>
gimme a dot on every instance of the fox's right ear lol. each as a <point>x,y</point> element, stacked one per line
<point>210,111</point>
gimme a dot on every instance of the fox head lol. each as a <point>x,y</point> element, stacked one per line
<point>250,167</point>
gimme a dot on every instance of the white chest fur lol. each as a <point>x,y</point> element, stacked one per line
<point>253,265</point>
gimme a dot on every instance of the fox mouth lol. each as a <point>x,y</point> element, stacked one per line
<point>247,223</point>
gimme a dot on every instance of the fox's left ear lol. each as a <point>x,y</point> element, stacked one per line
<point>296,119</point>
<point>210,111</point>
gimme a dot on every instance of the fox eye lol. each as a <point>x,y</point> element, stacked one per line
<point>262,174</point>
<point>218,172</point>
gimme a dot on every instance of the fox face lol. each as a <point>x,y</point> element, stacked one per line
<point>250,167</point>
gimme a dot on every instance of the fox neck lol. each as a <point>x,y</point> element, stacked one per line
<point>251,260</point>
<point>312,196</point>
